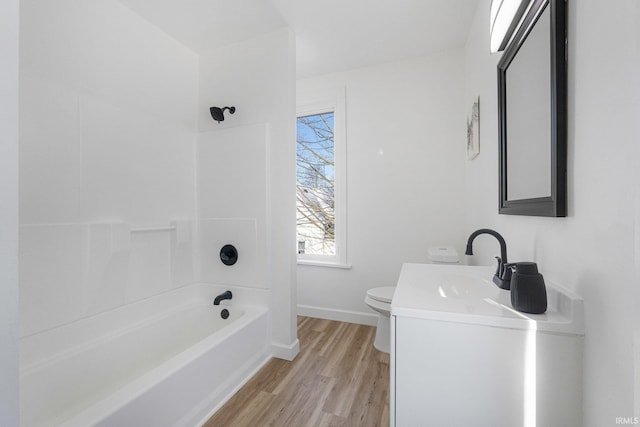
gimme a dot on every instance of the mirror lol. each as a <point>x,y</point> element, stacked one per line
<point>532,114</point>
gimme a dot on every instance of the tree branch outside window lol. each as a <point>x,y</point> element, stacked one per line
<point>315,184</point>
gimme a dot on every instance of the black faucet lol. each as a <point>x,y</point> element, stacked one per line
<point>502,278</point>
<point>222,296</point>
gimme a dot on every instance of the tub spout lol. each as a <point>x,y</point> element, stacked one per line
<point>222,296</point>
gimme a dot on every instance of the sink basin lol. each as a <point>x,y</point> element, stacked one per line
<point>465,287</point>
<point>467,294</point>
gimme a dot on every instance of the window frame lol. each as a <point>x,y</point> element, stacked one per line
<point>337,105</point>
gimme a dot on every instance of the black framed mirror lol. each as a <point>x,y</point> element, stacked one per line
<point>532,114</point>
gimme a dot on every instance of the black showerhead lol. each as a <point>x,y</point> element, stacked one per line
<point>218,113</point>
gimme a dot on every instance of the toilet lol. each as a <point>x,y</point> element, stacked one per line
<point>379,299</point>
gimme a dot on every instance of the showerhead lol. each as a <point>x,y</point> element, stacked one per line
<point>218,113</point>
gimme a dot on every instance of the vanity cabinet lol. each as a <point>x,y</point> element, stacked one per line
<point>460,355</point>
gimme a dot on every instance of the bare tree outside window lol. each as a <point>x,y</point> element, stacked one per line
<point>315,185</point>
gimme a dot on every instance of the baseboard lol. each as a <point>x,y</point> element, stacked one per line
<point>360,318</point>
<point>286,352</point>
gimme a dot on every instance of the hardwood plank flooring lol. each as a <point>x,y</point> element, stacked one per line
<point>337,379</point>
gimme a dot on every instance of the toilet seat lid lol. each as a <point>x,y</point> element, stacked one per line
<point>383,294</point>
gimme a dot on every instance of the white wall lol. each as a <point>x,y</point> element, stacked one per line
<point>406,140</point>
<point>9,213</point>
<point>232,204</point>
<point>108,120</point>
<point>112,121</point>
<point>258,78</point>
<point>595,249</point>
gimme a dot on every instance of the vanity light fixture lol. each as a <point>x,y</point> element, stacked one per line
<point>218,113</point>
<point>504,20</point>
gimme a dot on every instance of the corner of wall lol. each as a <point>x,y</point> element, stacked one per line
<point>286,352</point>
<point>9,45</point>
<point>257,76</point>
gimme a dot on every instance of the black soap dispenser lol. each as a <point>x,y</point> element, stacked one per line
<point>528,292</point>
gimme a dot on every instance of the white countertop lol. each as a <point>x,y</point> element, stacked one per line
<point>466,294</point>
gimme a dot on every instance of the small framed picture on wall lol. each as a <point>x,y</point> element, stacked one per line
<point>473,130</point>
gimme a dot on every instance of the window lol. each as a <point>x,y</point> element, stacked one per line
<point>315,184</point>
<point>320,184</point>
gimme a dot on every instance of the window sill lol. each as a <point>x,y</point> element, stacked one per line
<point>329,264</point>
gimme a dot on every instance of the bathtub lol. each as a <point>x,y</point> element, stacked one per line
<point>170,360</point>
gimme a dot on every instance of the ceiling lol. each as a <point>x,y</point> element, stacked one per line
<point>331,35</point>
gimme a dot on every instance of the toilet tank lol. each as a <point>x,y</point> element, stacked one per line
<point>443,255</point>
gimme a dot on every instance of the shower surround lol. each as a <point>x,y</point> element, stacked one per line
<point>128,191</point>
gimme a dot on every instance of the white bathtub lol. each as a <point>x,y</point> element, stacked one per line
<point>170,360</point>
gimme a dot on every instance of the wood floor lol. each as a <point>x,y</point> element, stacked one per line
<point>337,379</point>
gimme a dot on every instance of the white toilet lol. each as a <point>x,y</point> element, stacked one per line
<point>379,299</point>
